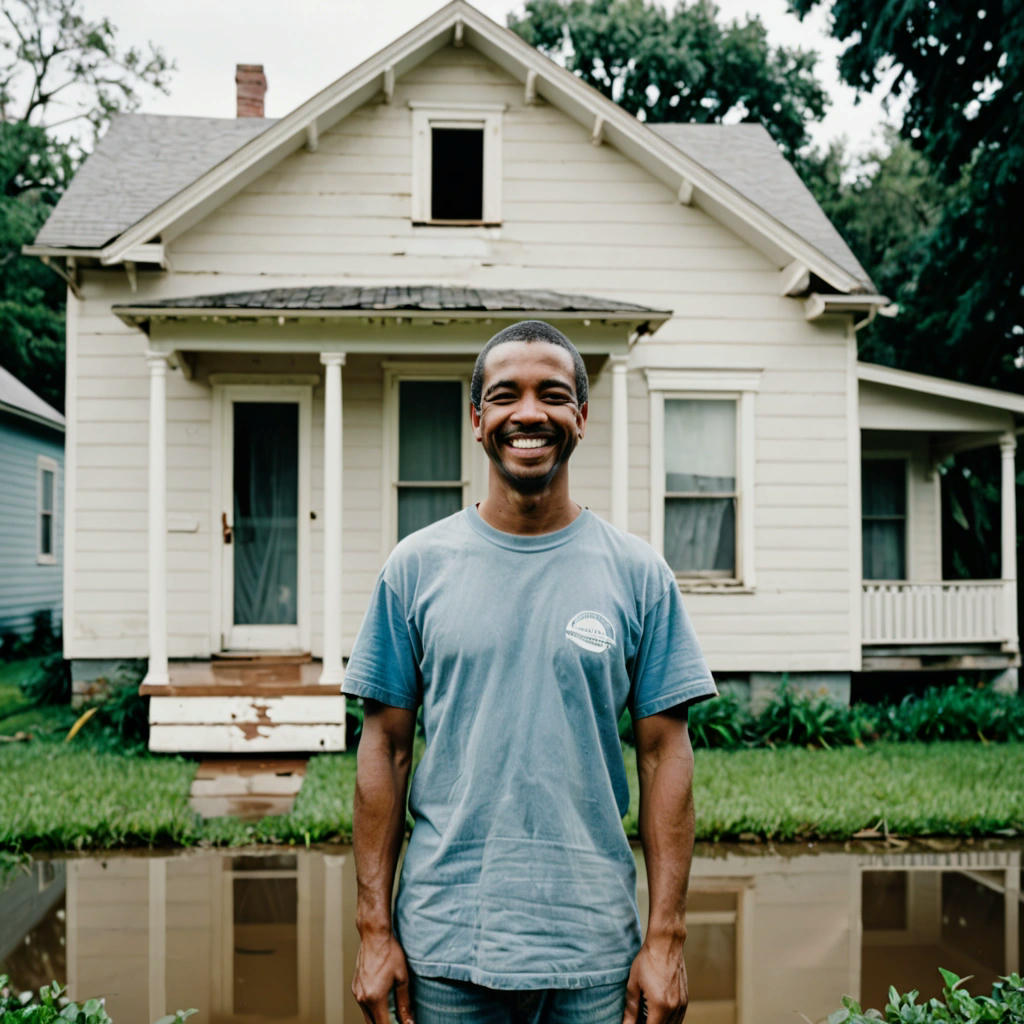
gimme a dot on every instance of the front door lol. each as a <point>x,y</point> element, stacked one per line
<point>262,519</point>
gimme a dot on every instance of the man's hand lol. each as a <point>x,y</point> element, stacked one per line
<point>658,975</point>
<point>380,970</point>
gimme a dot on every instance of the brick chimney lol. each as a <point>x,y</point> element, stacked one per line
<point>250,88</point>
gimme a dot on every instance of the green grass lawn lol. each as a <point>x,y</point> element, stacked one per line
<point>58,796</point>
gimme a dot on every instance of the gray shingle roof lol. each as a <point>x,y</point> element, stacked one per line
<point>145,159</point>
<point>747,158</point>
<point>390,297</point>
<point>142,161</point>
<point>16,397</point>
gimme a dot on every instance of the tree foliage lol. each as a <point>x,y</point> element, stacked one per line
<point>62,77</point>
<point>959,69</point>
<point>680,65</point>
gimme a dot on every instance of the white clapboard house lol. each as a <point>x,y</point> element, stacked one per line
<point>271,325</point>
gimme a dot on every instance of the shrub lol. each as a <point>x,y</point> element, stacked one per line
<point>960,712</point>
<point>51,1006</point>
<point>803,719</point>
<point>1006,1004</point>
<point>50,683</point>
<point>723,722</point>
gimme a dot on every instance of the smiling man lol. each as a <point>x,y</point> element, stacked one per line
<point>523,627</point>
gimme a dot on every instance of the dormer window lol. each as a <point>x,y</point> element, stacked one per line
<point>456,165</point>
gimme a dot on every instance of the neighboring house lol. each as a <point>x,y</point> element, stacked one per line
<point>271,326</point>
<point>31,512</point>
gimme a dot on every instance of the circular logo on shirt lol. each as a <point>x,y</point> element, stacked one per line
<point>591,631</point>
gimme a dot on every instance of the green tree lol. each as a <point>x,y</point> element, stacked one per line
<point>62,77</point>
<point>682,65</point>
<point>959,70</point>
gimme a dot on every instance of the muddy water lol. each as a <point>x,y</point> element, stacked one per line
<point>268,936</point>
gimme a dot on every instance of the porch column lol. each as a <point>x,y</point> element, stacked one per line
<point>1008,507</point>
<point>620,442</point>
<point>157,672</point>
<point>331,673</point>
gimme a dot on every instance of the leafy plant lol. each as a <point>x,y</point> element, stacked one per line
<point>50,683</point>
<point>801,719</point>
<point>723,722</point>
<point>50,1006</point>
<point>960,712</point>
<point>1006,1004</point>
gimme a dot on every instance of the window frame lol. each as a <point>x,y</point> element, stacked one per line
<point>740,386</point>
<point>484,116</point>
<point>394,374</point>
<point>44,464</point>
<point>889,455</point>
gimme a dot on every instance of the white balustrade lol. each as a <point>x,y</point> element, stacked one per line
<point>947,612</point>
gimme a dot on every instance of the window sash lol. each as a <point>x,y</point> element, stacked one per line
<point>46,497</point>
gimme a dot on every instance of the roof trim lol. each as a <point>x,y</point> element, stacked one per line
<point>24,414</point>
<point>991,398</point>
<point>555,84</point>
<point>817,304</point>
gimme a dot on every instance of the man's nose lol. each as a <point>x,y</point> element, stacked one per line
<point>529,409</point>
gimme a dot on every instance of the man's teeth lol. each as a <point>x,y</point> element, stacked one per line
<point>529,442</point>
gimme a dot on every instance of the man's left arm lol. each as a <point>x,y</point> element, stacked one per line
<point>665,769</point>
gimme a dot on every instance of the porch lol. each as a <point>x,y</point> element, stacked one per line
<point>267,368</point>
<point>912,618</point>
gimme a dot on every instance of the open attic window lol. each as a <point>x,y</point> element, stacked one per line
<point>457,165</point>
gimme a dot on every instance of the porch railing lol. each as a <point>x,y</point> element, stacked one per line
<point>948,612</point>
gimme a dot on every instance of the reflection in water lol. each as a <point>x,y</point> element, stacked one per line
<point>267,936</point>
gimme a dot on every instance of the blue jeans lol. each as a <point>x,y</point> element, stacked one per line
<point>442,1001</point>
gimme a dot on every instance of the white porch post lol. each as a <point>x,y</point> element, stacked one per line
<point>1008,507</point>
<point>620,442</point>
<point>157,672</point>
<point>331,673</point>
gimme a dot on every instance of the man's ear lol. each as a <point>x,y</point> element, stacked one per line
<point>581,420</point>
<point>474,419</point>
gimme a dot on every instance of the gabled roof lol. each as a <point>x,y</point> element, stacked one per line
<point>141,162</point>
<point>19,400</point>
<point>746,157</point>
<point>680,163</point>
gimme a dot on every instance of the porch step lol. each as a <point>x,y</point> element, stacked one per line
<point>253,708</point>
<point>247,788</point>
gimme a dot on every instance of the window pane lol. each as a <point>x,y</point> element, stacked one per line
<point>47,489</point>
<point>457,174</point>
<point>429,430</point>
<point>421,506</point>
<point>700,534</point>
<point>45,534</point>
<point>884,550</point>
<point>884,519</point>
<point>884,487</point>
<point>700,445</point>
<point>266,510</point>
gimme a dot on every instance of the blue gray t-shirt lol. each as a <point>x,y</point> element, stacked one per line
<point>523,651</point>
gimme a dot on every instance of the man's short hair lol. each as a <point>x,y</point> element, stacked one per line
<point>529,330</point>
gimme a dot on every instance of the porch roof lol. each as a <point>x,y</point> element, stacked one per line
<point>401,300</point>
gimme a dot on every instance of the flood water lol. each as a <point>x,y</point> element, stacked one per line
<point>268,935</point>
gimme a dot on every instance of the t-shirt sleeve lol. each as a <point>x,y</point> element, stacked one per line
<point>384,665</point>
<point>669,668</point>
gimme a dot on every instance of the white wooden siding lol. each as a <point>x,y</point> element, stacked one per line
<point>575,218</point>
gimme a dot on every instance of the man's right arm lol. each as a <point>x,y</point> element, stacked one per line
<point>378,827</point>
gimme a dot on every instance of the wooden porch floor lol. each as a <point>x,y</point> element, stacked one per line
<point>243,676</point>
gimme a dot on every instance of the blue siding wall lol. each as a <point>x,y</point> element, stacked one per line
<point>27,587</point>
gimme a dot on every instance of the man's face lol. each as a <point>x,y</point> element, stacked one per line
<point>529,420</point>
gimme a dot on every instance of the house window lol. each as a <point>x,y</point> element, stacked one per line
<point>429,485</point>
<point>700,486</point>
<point>46,553</point>
<point>702,469</point>
<point>456,164</point>
<point>884,518</point>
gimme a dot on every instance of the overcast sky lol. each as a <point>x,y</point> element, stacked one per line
<point>307,44</point>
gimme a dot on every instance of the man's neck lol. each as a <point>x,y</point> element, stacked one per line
<point>511,511</point>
